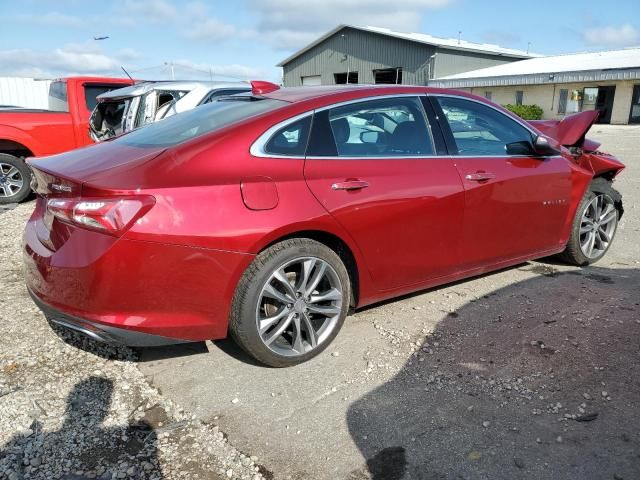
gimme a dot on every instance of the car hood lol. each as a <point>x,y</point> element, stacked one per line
<point>97,162</point>
<point>571,130</point>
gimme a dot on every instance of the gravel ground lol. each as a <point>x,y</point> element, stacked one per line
<point>74,409</point>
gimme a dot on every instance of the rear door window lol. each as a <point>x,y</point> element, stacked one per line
<point>388,127</point>
<point>479,130</point>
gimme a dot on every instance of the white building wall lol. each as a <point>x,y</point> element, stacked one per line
<point>24,92</point>
<point>547,97</point>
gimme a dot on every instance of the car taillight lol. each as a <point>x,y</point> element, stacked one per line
<point>112,215</point>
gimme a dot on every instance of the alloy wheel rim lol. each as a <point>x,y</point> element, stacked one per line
<point>299,306</point>
<point>11,180</point>
<point>597,226</point>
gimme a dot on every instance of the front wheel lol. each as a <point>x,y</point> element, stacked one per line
<point>15,179</point>
<point>594,225</point>
<point>290,303</point>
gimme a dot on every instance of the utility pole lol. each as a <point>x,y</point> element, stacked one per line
<point>459,34</point>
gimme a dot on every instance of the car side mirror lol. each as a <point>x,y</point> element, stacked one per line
<point>520,148</point>
<point>545,146</point>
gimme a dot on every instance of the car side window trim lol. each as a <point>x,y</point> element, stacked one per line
<point>450,143</point>
<point>257,148</point>
<point>435,128</point>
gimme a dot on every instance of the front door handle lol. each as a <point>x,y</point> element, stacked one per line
<point>350,185</point>
<point>480,176</point>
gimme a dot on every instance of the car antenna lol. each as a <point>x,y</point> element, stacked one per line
<point>127,73</point>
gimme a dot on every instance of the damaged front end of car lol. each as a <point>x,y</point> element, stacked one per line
<point>570,132</point>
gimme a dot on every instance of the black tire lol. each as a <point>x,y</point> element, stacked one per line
<point>242,320</point>
<point>574,254</point>
<point>23,172</point>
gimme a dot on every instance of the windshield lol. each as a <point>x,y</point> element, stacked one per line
<point>58,96</point>
<point>205,119</point>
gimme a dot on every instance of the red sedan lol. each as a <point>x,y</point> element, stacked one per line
<point>269,216</point>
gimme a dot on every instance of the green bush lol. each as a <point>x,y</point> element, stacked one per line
<point>528,112</point>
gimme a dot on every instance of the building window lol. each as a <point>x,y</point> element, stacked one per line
<point>487,95</point>
<point>519,97</point>
<point>388,75</point>
<point>562,101</point>
<point>341,78</point>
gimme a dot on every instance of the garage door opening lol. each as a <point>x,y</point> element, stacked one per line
<point>312,81</point>
<point>388,75</point>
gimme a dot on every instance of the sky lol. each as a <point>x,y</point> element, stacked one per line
<point>245,39</point>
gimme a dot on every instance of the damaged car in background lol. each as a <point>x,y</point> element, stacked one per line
<point>125,109</point>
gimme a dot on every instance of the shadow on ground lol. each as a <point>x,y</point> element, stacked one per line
<point>540,379</point>
<point>83,443</point>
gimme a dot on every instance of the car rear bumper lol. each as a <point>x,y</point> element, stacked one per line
<point>123,291</point>
<point>102,333</point>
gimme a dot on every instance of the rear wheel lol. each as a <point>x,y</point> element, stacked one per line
<point>15,179</point>
<point>594,225</point>
<point>290,303</point>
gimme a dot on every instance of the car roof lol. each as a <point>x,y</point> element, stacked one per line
<point>145,87</point>
<point>299,94</point>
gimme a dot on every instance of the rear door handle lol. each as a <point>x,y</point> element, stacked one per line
<point>480,176</point>
<point>350,185</point>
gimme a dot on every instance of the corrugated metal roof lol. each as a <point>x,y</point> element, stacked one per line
<point>560,64</point>
<point>450,43</point>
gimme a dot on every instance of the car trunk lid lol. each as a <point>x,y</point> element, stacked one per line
<point>66,180</point>
<point>86,165</point>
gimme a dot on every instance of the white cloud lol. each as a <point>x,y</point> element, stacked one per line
<point>210,29</point>
<point>289,24</point>
<point>71,59</point>
<point>55,19</point>
<point>155,11</point>
<point>204,71</point>
<point>622,35</point>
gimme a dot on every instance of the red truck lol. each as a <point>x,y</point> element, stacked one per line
<point>33,133</point>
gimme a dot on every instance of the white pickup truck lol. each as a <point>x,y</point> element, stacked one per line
<point>125,109</point>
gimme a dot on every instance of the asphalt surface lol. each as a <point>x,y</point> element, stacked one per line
<point>531,372</point>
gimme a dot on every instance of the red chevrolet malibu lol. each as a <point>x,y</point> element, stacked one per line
<point>269,216</point>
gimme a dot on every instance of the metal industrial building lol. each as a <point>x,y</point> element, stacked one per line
<point>350,54</point>
<point>563,84</point>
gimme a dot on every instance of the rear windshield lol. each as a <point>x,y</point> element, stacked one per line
<point>58,96</point>
<point>199,121</point>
